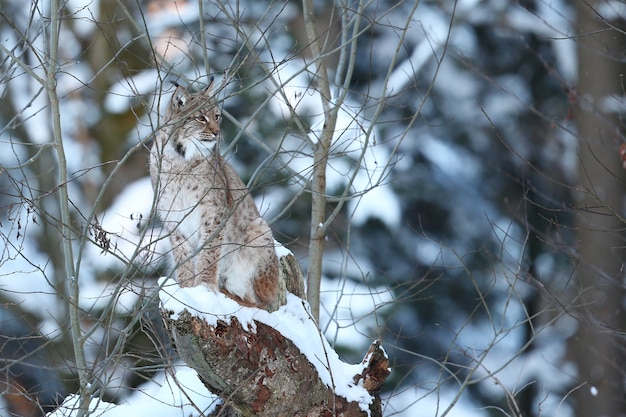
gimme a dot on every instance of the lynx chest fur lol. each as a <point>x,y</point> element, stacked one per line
<point>218,236</point>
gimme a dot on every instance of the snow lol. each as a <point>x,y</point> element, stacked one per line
<point>84,15</point>
<point>171,14</point>
<point>125,223</point>
<point>369,195</point>
<point>554,20</point>
<point>612,10</point>
<point>177,391</point>
<point>420,402</point>
<point>431,252</point>
<point>292,320</point>
<point>613,104</point>
<point>434,27</point>
<point>294,94</point>
<point>353,147</point>
<point>350,311</point>
<point>508,100</point>
<point>4,407</point>
<point>123,92</point>
<point>25,271</point>
<point>280,250</point>
<point>405,73</point>
<point>340,263</point>
<point>32,101</point>
<point>454,161</point>
<point>549,354</point>
<point>98,295</point>
<point>378,203</point>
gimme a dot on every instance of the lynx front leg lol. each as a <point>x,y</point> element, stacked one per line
<point>260,247</point>
<point>183,263</point>
<point>207,266</point>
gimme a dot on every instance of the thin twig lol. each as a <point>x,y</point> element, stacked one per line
<point>71,280</point>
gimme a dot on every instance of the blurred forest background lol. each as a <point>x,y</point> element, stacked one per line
<point>474,204</point>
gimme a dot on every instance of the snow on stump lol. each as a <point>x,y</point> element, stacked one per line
<point>269,364</point>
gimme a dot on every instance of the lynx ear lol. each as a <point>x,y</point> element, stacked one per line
<point>179,98</point>
<point>207,91</point>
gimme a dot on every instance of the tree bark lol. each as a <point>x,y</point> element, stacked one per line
<point>598,345</point>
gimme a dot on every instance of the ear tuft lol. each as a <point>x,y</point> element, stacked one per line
<point>207,91</point>
<point>180,97</point>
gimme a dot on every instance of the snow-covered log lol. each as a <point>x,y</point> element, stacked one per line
<point>269,364</point>
<point>260,372</point>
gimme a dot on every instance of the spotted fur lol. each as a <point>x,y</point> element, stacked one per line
<point>218,236</point>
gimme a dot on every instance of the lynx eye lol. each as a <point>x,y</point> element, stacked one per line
<point>202,119</point>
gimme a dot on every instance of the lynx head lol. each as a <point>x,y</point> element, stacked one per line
<point>193,123</point>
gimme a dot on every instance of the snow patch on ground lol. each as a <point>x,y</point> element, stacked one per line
<point>175,392</point>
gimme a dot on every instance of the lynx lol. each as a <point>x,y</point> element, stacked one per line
<point>217,234</point>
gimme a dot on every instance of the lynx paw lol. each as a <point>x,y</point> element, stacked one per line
<point>209,281</point>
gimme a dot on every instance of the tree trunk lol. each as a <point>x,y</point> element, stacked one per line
<point>597,346</point>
